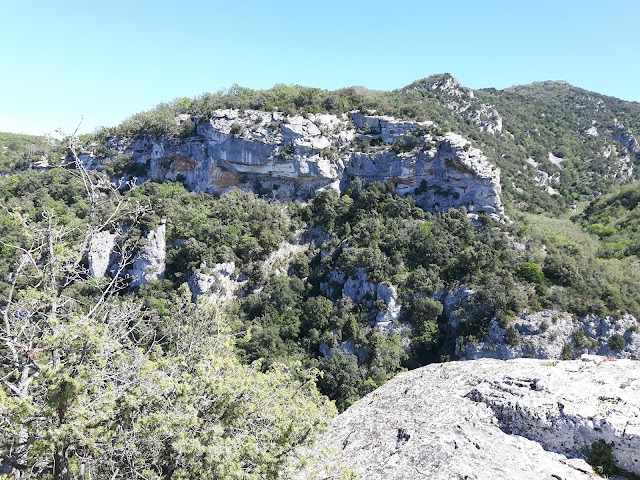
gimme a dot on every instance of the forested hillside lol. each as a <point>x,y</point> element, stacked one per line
<point>269,295</point>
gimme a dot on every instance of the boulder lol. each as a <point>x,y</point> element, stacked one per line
<point>519,419</point>
<point>216,283</point>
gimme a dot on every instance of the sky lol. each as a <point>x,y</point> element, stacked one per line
<point>98,62</point>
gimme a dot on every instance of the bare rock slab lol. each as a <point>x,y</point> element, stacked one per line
<point>489,419</point>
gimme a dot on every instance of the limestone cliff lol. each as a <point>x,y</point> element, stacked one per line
<point>294,156</point>
<point>550,334</point>
<point>489,419</point>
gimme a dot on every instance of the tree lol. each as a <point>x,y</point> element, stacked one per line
<point>617,342</point>
<point>51,342</point>
<point>92,387</point>
<point>423,314</point>
<point>341,377</point>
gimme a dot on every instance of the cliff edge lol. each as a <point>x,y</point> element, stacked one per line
<point>488,419</point>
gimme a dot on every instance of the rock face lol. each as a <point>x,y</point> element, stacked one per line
<point>149,263</point>
<point>626,138</point>
<point>550,334</point>
<point>359,288</point>
<point>363,291</point>
<point>448,173</point>
<point>463,101</point>
<point>488,419</point>
<point>294,157</point>
<point>218,284</point>
<point>100,250</point>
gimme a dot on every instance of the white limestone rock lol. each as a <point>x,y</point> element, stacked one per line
<point>550,334</point>
<point>388,294</point>
<point>297,156</point>
<point>449,85</point>
<point>149,263</point>
<point>218,284</point>
<point>463,101</point>
<point>484,420</point>
<point>626,138</point>
<point>442,173</point>
<point>278,261</point>
<point>359,288</point>
<point>487,118</point>
<point>100,251</point>
<point>454,302</point>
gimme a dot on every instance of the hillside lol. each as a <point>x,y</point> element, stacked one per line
<point>336,238</point>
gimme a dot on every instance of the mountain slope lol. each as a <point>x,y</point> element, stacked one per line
<point>418,234</point>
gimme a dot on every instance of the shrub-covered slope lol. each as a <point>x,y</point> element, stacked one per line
<point>365,282</point>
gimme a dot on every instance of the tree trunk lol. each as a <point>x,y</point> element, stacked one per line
<point>61,467</point>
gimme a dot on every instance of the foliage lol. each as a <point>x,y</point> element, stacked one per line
<point>615,218</point>
<point>617,342</point>
<point>512,336</point>
<point>94,385</point>
<point>586,264</point>
<point>600,457</point>
<point>205,230</point>
<point>20,152</point>
<point>531,272</point>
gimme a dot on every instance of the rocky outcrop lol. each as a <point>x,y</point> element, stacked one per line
<point>359,288</point>
<point>149,263</point>
<point>454,303</point>
<point>218,284</point>
<point>550,334</point>
<point>381,299</point>
<point>100,253</point>
<point>279,261</point>
<point>286,157</point>
<point>626,138</point>
<point>488,419</point>
<point>463,101</point>
<point>442,173</point>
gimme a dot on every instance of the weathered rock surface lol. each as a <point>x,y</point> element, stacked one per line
<point>489,419</point>
<point>279,260</point>
<point>149,263</point>
<point>359,288</point>
<point>462,100</point>
<point>443,173</point>
<point>218,284</point>
<point>294,157</point>
<point>550,334</point>
<point>100,250</point>
<point>626,138</point>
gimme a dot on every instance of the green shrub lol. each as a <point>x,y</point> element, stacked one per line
<point>512,336</point>
<point>617,342</point>
<point>567,352</point>
<point>531,272</point>
<point>582,341</point>
<point>600,457</point>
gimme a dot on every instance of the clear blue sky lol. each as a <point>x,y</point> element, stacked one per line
<point>110,59</point>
